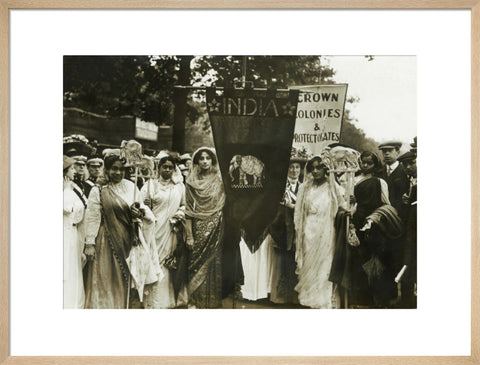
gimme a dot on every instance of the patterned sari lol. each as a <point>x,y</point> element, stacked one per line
<point>205,199</point>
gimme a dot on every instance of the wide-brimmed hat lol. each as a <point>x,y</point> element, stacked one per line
<point>67,162</point>
<point>299,155</point>
<point>76,144</point>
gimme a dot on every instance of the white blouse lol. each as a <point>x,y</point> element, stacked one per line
<point>93,215</point>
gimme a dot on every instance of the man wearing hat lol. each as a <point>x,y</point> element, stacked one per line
<point>94,167</point>
<point>394,174</point>
<point>81,173</point>
<point>186,160</point>
<point>409,279</point>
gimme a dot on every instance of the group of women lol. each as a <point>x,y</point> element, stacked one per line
<point>312,261</point>
<point>130,238</point>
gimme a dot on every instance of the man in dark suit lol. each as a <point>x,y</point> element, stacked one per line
<point>398,185</point>
<point>409,279</point>
<point>395,176</point>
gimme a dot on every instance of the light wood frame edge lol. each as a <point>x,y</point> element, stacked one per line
<point>7,5</point>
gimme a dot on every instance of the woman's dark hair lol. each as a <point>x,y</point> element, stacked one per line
<point>374,157</point>
<point>196,158</point>
<point>309,166</point>
<point>170,158</point>
<point>66,170</point>
<point>110,160</point>
<point>377,165</point>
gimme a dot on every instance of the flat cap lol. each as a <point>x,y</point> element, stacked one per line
<point>390,144</point>
<point>407,156</point>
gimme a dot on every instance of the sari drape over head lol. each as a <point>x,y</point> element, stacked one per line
<point>205,199</point>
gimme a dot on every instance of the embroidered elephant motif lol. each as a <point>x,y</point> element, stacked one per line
<point>246,170</point>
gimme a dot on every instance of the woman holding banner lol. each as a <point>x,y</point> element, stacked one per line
<point>205,198</point>
<point>318,201</point>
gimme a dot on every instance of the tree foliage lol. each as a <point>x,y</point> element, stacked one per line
<point>355,137</point>
<point>143,85</point>
<point>121,85</point>
<point>263,71</point>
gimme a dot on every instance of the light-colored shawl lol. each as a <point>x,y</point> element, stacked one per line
<point>301,211</point>
<point>204,193</point>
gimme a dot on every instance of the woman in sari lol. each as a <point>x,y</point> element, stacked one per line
<point>166,198</point>
<point>205,198</point>
<point>318,201</point>
<point>114,240</point>
<point>372,266</point>
<point>73,212</point>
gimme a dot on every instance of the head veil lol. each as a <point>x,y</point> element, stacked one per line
<point>301,211</point>
<point>204,193</point>
<point>177,174</point>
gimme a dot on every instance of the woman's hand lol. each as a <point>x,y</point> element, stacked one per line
<point>67,183</point>
<point>406,199</point>
<point>190,241</point>
<point>352,200</point>
<point>151,202</point>
<point>136,212</point>
<point>90,252</point>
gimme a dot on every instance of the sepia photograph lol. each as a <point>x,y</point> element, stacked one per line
<point>249,169</point>
<point>240,182</point>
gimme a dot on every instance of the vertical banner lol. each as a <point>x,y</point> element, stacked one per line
<point>319,116</point>
<point>253,132</point>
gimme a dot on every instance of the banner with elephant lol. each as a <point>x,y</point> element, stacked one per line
<point>253,132</point>
<point>319,116</point>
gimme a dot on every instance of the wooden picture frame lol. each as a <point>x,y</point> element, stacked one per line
<point>7,5</point>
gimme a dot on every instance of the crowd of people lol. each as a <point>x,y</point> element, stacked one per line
<point>155,240</point>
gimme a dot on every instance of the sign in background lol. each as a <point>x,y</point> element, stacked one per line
<point>319,116</point>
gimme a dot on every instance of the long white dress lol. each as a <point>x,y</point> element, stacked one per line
<point>73,213</point>
<point>257,270</point>
<point>315,246</point>
<point>168,198</point>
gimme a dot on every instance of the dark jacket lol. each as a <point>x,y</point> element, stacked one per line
<point>398,184</point>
